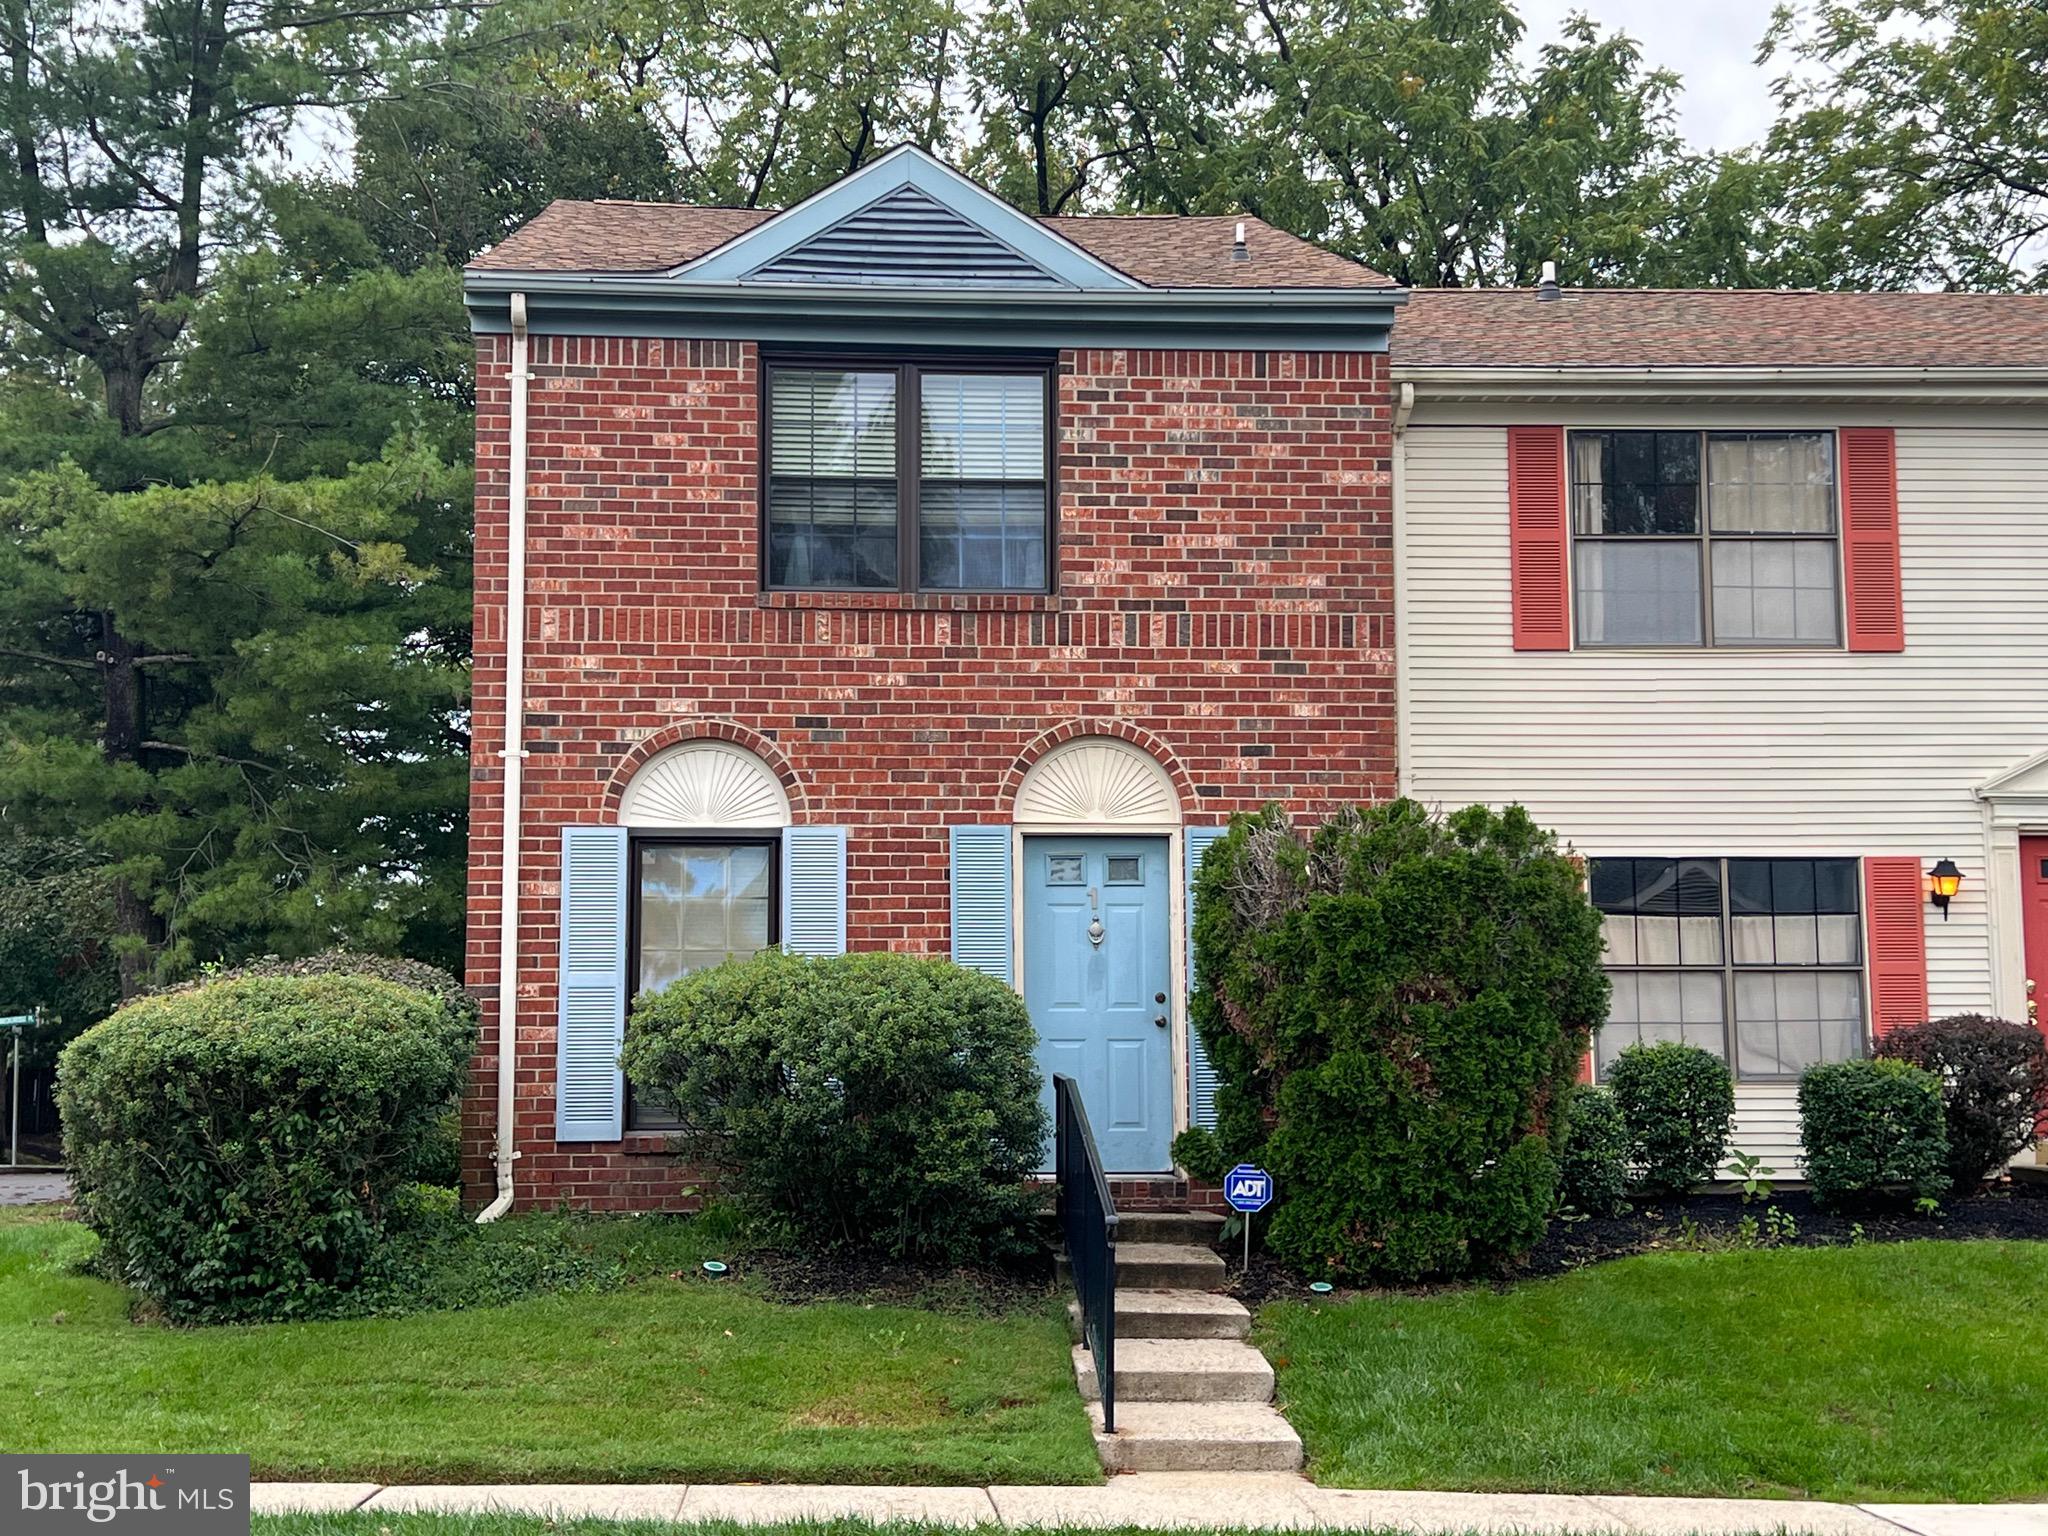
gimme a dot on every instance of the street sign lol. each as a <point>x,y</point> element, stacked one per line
<point>17,1021</point>
<point>1248,1189</point>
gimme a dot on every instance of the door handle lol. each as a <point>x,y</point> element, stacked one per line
<point>1160,1021</point>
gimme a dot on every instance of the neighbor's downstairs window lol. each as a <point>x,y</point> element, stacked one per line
<point>907,477</point>
<point>1758,960</point>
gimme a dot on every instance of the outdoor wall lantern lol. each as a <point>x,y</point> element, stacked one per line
<point>1943,881</point>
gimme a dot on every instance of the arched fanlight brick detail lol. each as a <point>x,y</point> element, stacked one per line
<point>697,773</point>
<point>1117,775</point>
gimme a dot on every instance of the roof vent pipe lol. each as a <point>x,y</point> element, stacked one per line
<point>1547,291</point>
<point>1240,251</point>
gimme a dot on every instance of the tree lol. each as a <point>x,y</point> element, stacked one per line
<point>1123,103</point>
<point>131,133</point>
<point>1915,133</point>
<point>1409,136</point>
<point>762,102</point>
<point>56,913</point>
<point>288,770</point>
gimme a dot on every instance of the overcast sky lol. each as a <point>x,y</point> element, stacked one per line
<point>1727,99</point>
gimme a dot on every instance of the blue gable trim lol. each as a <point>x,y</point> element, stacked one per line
<point>905,166</point>
<point>1280,320</point>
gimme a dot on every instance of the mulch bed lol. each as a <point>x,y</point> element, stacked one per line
<point>1704,1222</point>
<point>794,1277</point>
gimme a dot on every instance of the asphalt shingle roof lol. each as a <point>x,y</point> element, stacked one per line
<point>1160,251</point>
<point>1719,328</point>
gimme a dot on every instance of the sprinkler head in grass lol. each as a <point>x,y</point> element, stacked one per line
<point>714,1268</point>
<point>1321,1287</point>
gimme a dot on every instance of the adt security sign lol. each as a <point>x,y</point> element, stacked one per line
<point>1248,1189</point>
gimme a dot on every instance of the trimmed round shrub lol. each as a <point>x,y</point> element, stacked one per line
<point>1994,1087</point>
<point>870,1100</point>
<point>1678,1102</point>
<point>1394,1004</point>
<point>243,1148</point>
<point>1872,1131</point>
<point>1592,1164</point>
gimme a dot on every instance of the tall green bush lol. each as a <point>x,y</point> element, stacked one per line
<point>873,1100</point>
<point>242,1148</point>
<point>1394,1003</point>
<point>1872,1131</point>
<point>1678,1102</point>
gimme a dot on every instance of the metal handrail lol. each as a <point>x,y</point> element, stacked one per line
<point>1088,1224</point>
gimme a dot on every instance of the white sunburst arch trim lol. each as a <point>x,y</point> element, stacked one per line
<point>710,784</point>
<point>1098,783</point>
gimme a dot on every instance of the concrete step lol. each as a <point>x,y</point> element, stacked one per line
<point>1180,1371</point>
<point>1172,1315</point>
<point>1159,1267</point>
<point>1197,1437</point>
<point>1203,1228</point>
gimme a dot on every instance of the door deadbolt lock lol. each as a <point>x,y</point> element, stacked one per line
<point>1158,997</point>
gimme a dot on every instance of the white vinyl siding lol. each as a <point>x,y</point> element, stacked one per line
<point>1733,753</point>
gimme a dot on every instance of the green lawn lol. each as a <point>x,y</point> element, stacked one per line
<point>665,1380</point>
<point>1904,1372</point>
<point>369,1524</point>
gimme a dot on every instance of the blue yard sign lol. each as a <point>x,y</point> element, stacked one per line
<point>1248,1189</point>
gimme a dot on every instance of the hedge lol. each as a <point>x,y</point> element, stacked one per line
<point>243,1147</point>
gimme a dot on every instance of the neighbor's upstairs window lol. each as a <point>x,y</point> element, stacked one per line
<point>909,477</point>
<point>1758,960</point>
<point>1705,538</point>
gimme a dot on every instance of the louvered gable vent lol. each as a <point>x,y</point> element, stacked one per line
<point>906,239</point>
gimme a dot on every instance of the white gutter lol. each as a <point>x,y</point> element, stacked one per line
<point>514,755</point>
<point>1915,386</point>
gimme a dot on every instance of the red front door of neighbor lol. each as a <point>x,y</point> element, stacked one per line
<point>2034,921</point>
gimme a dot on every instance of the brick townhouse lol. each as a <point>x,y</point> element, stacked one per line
<point>899,571</point>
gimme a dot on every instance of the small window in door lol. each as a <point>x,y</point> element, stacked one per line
<point>1124,870</point>
<point>1063,869</point>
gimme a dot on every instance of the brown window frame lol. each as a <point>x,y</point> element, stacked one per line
<point>909,370</point>
<point>1728,968</point>
<point>1703,540</point>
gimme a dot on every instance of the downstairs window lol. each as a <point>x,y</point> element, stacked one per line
<point>1758,960</point>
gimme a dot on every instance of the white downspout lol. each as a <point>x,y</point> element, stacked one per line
<point>1404,407</point>
<point>514,755</point>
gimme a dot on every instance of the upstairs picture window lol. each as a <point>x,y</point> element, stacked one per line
<point>908,477</point>
<point>1758,960</point>
<point>1705,538</point>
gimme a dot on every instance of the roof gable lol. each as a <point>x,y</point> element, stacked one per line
<point>905,220</point>
<point>2029,781</point>
<point>906,238</point>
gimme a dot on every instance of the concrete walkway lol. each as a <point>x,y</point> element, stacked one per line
<point>1167,1500</point>
<point>28,1187</point>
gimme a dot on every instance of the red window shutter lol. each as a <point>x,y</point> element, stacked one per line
<point>1870,539</point>
<point>1894,901</point>
<point>1539,543</point>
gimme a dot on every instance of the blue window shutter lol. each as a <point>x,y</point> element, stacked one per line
<point>590,1091</point>
<point>814,890</point>
<point>1195,842</point>
<point>983,939</point>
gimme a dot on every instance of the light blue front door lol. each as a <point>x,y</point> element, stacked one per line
<point>1096,945</point>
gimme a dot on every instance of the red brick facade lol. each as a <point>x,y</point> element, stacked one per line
<point>1225,600</point>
